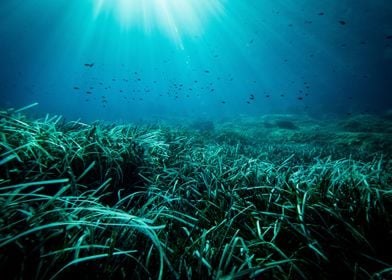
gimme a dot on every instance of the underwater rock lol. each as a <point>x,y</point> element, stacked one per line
<point>285,124</point>
<point>367,123</point>
<point>388,115</point>
<point>203,125</point>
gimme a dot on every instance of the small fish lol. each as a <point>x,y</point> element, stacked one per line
<point>342,22</point>
<point>321,14</point>
<point>223,102</point>
<point>76,88</point>
<point>251,41</point>
<point>389,37</point>
<point>206,71</point>
<point>300,98</point>
<point>89,64</point>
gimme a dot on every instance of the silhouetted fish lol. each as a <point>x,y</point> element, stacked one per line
<point>89,64</point>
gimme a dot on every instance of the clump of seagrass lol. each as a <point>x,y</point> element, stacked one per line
<point>88,155</point>
<point>278,220</point>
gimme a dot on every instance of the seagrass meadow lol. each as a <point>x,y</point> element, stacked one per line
<point>195,139</point>
<point>274,197</point>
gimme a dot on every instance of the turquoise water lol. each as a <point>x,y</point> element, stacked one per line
<point>132,60</point>
<point>281,166</point>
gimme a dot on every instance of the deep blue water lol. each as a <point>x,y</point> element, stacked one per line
<point>132,59</point>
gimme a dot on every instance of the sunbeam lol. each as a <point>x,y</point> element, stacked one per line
<point>175,18</point>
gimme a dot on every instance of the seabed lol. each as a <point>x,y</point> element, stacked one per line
<point>270,197</point>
